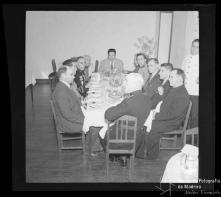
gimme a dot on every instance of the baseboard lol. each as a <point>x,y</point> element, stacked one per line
<point>42,81</point>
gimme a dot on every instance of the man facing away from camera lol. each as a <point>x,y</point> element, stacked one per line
<point>136,105</point>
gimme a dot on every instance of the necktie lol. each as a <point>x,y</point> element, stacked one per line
<point>112,66</point>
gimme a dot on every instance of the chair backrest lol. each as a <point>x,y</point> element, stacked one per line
<point>125,132</point>
<point>54,116</point>
<point>187,116</point>
<point>54,67</point>
<point>194,133</point>
<point>96,66</point>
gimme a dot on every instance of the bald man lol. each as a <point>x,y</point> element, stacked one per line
<point>137,105</point>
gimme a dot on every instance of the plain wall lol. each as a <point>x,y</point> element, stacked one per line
<point>185,30</point>
<point>164,37</point>
<point>178,38</point>
<point>64,34</point>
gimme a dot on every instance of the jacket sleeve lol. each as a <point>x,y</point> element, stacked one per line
<point>116,112</point>
<point>67,111</point>
<point>169,111</point>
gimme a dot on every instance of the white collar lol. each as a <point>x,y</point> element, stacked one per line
<point>67,84</point>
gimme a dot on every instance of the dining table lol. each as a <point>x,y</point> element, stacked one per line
<point>104,92</point>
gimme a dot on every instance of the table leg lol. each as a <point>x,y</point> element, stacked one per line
<point>94,141</point>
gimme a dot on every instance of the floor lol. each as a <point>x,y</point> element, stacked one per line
<point>46,164</point>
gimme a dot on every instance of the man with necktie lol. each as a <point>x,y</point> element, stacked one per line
<point>111,64</point>
<point>151,86</point>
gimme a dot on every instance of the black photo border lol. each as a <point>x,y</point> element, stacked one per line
<point>14,62</point>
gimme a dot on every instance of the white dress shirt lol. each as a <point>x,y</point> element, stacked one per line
<point>191,68</point>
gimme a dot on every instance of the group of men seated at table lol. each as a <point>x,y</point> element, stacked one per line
<point>148,85</point>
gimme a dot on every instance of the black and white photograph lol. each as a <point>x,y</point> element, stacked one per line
<point>112,96</point>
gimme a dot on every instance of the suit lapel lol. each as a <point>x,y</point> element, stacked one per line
<point>149,81</point>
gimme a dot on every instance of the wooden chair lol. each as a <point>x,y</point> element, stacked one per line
<point>194,134</point>
<point>122,137</point>
<point>96,66</point>
<point>53,76</point>
<point>176,133</point>
<point>62,136</point>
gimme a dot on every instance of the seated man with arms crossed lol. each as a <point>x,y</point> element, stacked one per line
<point>136,105</point>
<point>172,113</point>
<point>67,104</point>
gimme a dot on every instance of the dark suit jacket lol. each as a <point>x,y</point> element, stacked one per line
<point>137,105</point>
<point>156,98</point>
<point>68,108</point>
<point>151,85</point>
<point>172,111</point>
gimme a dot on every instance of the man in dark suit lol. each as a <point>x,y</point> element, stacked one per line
<point>153,82</point>
<point>172,113</point>
<point>164,88</point>
<point>137,105</point>
<point>67,104</point>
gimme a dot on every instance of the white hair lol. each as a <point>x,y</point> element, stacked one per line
<point>134,81</point>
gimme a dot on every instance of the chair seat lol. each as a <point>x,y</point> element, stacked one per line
<point>175,132</point>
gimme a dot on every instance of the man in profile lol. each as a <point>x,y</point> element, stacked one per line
<point>136,105</point>
<point>111,64</point>
<point>67,104</point>
<point>164,88</point>
<point>153,82</point>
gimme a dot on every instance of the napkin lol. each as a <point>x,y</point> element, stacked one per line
<point>149,120</point>
<point>190,150</point>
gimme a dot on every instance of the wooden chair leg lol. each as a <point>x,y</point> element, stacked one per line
<point>60,141</point>
<point>83,141</point>
<point>107,165</point>
<point>90,141</point>
<point>131,169</point>
<point>50,82</point>
<point>175,141</point>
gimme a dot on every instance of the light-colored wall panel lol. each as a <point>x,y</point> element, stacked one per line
<point>164,37</point>
<point>62,34</point>
<point>178,38</point>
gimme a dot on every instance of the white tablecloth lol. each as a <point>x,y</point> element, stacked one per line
<point>94,116</point>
